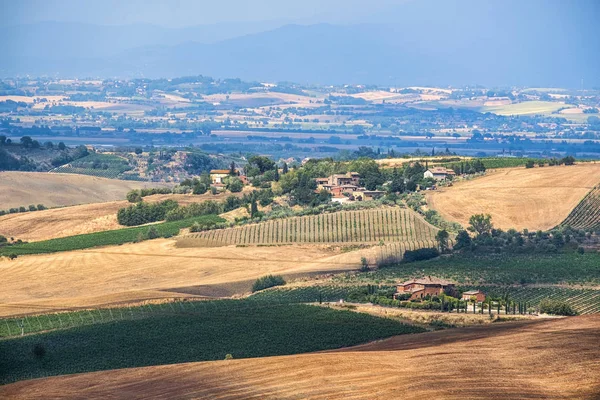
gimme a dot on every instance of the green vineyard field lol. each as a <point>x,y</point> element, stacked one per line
<point>584,301</point>
<point>587,213</point>
<point>391,224</point>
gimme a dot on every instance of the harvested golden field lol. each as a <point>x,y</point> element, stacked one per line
<point>85,218</point>
<point>57,190</point>
<point>40,283</point>
<point>520,198</point>
<point>556,358</point>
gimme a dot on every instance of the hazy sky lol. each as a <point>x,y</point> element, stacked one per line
<point>178,13</point>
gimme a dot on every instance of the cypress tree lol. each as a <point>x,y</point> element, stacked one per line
<point>285,168</point>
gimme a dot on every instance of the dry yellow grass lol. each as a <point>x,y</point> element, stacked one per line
<point>56,190</point>
<point>34,284</point>
<point>542,359</point>
<point>520,198</point>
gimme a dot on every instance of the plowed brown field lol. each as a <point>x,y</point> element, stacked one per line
<point>520,198</point>
<point>544,359</point>
<point>132,272</point>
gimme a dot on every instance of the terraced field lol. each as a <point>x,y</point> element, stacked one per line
<point>391,224</point>
<point>587,213</point>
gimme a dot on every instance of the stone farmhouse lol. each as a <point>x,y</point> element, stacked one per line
<point>478,294</point>
<point>439,173</point>
<point>346,187</point>
<point>421,287</point>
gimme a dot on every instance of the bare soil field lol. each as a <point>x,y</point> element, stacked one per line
<point>57,190</point>
<point>543,359</point>
<point>519,198</point>
<point>85,218</point>
<point>43,283</point>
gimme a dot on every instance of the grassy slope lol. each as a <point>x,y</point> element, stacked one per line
<point>207,332</point>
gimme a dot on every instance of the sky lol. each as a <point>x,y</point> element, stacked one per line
<point>181,13</point>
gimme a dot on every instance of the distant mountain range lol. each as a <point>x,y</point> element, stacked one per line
<point>512,44</point>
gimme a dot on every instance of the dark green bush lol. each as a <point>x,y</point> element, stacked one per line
<point>556,307</point>
<point>267,282</point>
<point>420,254</point>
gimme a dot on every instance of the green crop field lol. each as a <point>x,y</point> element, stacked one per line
<point>495,269</point>
<point>105,238</point>
<point>186,332</point>
<point>587,213</point>
<point>392,224</point>
<point>524,108</point>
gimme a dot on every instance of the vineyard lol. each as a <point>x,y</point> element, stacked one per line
<point>584,301</point>
<point>364,226</point>
<point>170,333</point>
<point>587,213</point>
<point>101,165</point>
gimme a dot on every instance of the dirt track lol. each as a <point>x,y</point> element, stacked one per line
<point>520,198</point>
<point>43,283</point>
<point>547,359</point>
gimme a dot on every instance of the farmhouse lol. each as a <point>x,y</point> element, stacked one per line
<point>439,173</point>
<point>478,294</point>
<point>420,288</point>
<point>217,176</point>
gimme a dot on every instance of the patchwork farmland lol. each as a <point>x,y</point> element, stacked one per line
<point>373,226</point>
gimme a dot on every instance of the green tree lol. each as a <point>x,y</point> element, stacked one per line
<point>234,184</point>
<point>463,240</point>
<point>253,209</point>
<point>284,169</point>
<point>481,224</point>
<point>442,239</point>
<point>61,146</point>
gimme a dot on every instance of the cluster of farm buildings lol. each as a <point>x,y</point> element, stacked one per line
<point>430,286</point>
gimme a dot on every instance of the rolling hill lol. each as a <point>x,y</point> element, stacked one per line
<point>553,358</point>
<point>519,198</point>
<point>57,190</point>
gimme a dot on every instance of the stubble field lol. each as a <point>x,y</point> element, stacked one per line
<point>152,269</point>
<point>57,190</point>
<point>519,198</point>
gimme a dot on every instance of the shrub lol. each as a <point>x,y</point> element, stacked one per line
<point>199,188</point>
<point>134,196</point>
<point>228,357</point>
<point>41,207</point>
<point>32,207</point>
<point>420,254</point>
<point>267,282</point>
<point>152,233</point>
<point>556,307</point>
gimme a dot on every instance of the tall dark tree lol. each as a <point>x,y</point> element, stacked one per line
<point>284,169</point>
